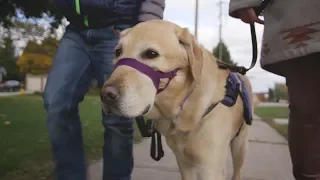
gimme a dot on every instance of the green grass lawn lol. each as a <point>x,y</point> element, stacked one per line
<point>269,113</point>
<point>25,150</point>
<point>272,112</point>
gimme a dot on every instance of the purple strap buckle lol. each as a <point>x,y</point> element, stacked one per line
<point>155,76</point>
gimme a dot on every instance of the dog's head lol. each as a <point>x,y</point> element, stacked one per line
<point>146,60</point>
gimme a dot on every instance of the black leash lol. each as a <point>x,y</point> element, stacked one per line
<point>241,69</point>
<point>147,129</point>
<point>156,150</point>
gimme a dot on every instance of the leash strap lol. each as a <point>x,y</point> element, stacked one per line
<point>241,69</point>
<point>262,6</point>
<point>145,128</point>
<point>156,150</point>
<point>258,11</point>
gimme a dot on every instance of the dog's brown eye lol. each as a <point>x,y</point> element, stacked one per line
<point>118,52</point>
<point>150,54</point>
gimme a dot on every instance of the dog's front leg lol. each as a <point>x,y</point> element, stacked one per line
<point>214,166</point>
<point>187,171</point>
<point>211,173</point>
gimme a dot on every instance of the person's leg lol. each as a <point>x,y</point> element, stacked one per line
<point>304,120</point>
<point>118,135</point>
<point>68,81</point>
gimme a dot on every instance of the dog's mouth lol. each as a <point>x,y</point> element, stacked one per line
<point>116,111</point>
<point>146,110</point>
<point>107,109</point>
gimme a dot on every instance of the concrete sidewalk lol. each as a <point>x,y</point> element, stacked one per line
<point>267,159</point>
<point>7,94</point>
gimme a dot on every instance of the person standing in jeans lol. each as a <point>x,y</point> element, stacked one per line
<point>86,52</point>
<point>291,48</point>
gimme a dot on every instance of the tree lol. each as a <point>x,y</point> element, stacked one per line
<point>27,31</point>
<point>270,95</point>
<point>281,91</point>
<point>3,72</point>
<point>15,9</point>
<point>226,57</point>
<point>37,58</point>
<point>22,32</point>
<point>8,60</point>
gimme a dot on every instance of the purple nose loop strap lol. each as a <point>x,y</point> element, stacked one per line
<point>155,76</point>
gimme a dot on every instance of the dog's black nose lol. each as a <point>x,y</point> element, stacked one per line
<point>109,92</point>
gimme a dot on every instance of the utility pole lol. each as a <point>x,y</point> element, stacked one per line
<point>196,20</point>
<point>220,29</point>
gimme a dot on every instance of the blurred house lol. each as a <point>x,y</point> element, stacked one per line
<point>35,83</point>
<point>3,72</point>
<point>261,96</point>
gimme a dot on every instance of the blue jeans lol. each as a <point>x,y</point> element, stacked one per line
<point>82,56</point>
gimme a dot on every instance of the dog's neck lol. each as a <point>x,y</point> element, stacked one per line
<point>209,90</point>
<point>169,105</point>
<point>189,105</point>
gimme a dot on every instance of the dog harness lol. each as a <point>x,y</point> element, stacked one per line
<point>235,86</point>
<point>155,76</point>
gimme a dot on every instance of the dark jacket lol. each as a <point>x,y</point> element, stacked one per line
<point>99,13</point>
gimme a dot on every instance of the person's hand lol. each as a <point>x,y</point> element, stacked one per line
<point>249,16</point>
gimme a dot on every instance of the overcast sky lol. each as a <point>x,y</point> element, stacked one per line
<point>235,34</point>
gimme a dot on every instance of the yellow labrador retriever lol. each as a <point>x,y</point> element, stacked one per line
<point>161,72</point>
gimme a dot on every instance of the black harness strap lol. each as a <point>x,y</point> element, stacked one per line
<point>238,132</point>
<point>210,108</point>
<point>231,94</point>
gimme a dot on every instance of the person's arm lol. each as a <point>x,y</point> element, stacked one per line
<point>236,5</point>
<point>243,9</point>
<point>151,9</point>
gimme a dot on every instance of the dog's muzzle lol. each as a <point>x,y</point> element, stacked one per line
<point>109,93</point>
<point>155,76</point>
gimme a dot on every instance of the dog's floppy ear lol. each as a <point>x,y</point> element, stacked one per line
<point>194,52</point>
<point>188,120</point>
<point>124,32</point>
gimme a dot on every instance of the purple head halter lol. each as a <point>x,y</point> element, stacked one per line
<point>155,76</point>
